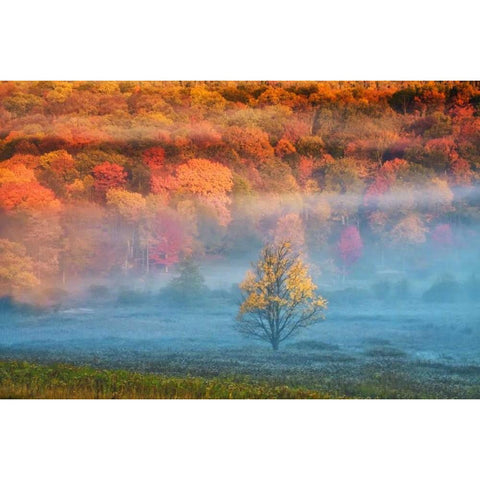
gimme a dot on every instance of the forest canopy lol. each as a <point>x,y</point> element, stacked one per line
<point>128,178</point>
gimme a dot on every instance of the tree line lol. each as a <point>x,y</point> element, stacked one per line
<point>107,178</point>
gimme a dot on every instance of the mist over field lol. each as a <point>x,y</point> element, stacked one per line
<point>130,213</point>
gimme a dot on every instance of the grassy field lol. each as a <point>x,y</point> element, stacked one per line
<point>22,380</point>
<point>387,378</point>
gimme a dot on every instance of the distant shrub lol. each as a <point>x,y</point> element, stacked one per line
<point>132,297</point>
<point>377,341</point>
<point>98,292</point>
<point>10,305</point>
<point>315,345</point>
<point>188,287</point>
<point>219,294</point>
<point>54,296</point>
<point>402,289</point>
<point>382,290</point>
<point>472,288</point>
<point>467,330</point>
<point>352,295</point>
<point>235,292</point>
<point>385,352</point>
<point>7,304</point>
<point>445,289</point>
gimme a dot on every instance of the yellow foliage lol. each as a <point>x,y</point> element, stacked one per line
<point>279,296</point>
<point>16,174</point>
<point>128,205</point>
<point>410,230</point>
<point>16,268</point>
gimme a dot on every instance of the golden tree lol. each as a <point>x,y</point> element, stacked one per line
<point>279,296</point>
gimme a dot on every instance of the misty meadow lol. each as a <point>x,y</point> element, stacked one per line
<point>239,239</point>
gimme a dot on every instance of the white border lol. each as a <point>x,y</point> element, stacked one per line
<point>239,439</point>
<point>249,40</point>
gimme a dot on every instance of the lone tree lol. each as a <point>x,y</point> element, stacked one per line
<point>278,296</point>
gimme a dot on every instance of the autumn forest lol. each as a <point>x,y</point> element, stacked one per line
<point>159,195</point>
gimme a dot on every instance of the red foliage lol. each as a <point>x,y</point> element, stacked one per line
<point>154,157</point>
<point>25,147</point>
<point>460,170</point>
<point>60,162</point>
<point>296,129</point>
<point>162,183</point>
<point>350,246</point>
<point>108,175</point>
<point>168,240</point>
<point>443,145</point>
<point>284,147</point>
<point>384,179</point>
<point>305,169</point>
<point>203,135</point>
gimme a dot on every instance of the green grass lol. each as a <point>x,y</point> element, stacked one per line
<point>382,377</point>
<point>22,380</point>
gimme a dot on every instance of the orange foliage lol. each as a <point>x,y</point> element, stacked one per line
<point>249,142</point>
<point>211,181</point>
<point>27,196</point>
<point>284,147</point>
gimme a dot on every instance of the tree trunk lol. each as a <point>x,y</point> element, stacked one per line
<point>125,266</point>
<point>314,122</point>
<point>148,260</point>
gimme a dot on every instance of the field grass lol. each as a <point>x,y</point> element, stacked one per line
<point>23,380</point>
<point>379,377</point>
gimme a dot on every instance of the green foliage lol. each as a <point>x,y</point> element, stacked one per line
<point>441,126</point>
<point>403,101</point>
<point>188,286</point>
<point>54,296</point>
<point>26,380</point>
<point>386,373</point>
<point>342,176</point>
<point>129,296</point>
<point>315,345</point>
<point>9,305</point>
<point>385,352</point>
<point>98,292</point>
<point>311,146</point>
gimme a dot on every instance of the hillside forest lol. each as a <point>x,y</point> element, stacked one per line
<point>129,180</point>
